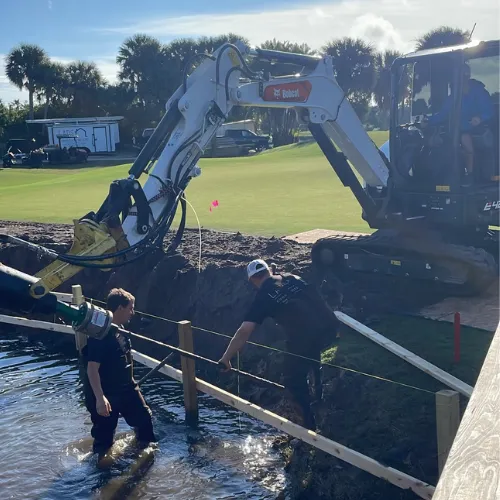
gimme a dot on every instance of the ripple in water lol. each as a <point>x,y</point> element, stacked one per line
<point>46,444</point>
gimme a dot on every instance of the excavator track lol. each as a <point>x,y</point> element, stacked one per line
<point>458,269</point>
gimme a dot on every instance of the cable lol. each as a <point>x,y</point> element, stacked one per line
<point>191,355</point>
<point>199,231</point>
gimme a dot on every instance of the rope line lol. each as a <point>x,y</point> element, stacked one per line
<point>275,349</point>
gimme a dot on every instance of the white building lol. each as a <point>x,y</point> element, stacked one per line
<point>98,134</point>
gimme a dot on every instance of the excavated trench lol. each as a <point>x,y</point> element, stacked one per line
<point>214,294</point>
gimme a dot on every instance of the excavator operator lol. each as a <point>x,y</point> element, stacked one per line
<point>477,109</point>
<point>309,325</point>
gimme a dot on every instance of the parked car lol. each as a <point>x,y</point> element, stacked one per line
<point>238,142</point>
<point>250,140</point>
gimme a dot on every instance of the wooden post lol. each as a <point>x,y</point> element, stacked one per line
<point>447,423</point>
<point>78,299</point>
<point>188,374</point>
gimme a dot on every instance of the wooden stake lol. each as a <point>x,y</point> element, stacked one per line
<point>77,300</point>
<point>188,374</point>
<point>447,423</point>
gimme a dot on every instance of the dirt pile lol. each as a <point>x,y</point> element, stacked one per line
<point>214,295</point>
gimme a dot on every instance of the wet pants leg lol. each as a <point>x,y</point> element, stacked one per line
<point>103,428</point>
<point>137,414</point>
<point>295,379</point>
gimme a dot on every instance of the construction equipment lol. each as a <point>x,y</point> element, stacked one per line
<point>429,226</point>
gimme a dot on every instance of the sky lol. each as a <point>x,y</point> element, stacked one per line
<point>94,29</point>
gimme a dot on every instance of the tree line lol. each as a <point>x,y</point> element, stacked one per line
<point>150,71</point>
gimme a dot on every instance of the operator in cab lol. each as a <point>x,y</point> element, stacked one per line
<point>109,387</point>
<point>476,110</point>
<point>309,325</point>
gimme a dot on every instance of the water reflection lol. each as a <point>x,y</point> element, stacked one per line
<point>46,452</point>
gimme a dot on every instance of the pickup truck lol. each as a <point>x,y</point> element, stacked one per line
<point>238,142</point>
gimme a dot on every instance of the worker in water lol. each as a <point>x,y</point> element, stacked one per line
<point>110,388</point>
<point>476,111</point>
<point>309,325</point>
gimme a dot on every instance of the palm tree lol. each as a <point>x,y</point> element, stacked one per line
<point>53,80</point>
<point>23,68</point>
<point>444,36</point>
<point>137,57</point>
<point>354,65</point>
<point>382,89</point>
<point>84,80</point>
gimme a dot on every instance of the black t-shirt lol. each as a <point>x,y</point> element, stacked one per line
<point>114,355</point>
<point>293,304</point>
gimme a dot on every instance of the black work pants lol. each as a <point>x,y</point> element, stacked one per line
<point>130,404</point>
<point>296,370</point>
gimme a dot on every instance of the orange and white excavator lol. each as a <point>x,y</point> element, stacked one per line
<point>429,224</point>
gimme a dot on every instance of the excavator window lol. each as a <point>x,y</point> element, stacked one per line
<point>434,113</point>
<point>485,74</point>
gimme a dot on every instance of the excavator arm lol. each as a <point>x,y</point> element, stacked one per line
<point>135,216</point>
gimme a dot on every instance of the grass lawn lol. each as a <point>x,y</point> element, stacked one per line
<point>278,192</point>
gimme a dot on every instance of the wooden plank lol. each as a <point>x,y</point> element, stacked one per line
<point>188,373</point>
<point>447,422</point>
<point>78,299</point>
<point>40,325</point>
<point>398,478</point>
<point>413,359</point>
<point>472,470</point>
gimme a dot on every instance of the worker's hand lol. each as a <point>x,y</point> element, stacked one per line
<point>225,363</point>
<point>103,407</point>
<point>475,121</point>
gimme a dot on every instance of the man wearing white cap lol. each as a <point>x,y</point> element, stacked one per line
<point>308,323</point>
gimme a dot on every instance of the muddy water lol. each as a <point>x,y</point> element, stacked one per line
<point>45,446</point>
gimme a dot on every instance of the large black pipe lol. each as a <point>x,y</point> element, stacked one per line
<point>15,293</point>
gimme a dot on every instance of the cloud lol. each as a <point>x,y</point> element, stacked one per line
<point>50,4</point>
<point>384,23</point>
<point>379,31</point>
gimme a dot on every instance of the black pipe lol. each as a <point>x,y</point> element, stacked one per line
<point>15,293</point>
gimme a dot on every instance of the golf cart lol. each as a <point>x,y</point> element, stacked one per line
<point>58,154</point>
<point>22,152</point>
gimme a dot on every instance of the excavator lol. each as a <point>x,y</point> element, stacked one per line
<point>431,222</point>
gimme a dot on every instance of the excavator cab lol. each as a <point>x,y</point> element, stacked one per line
<point>444,137</point>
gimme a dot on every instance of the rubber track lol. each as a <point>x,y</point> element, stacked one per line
<point>480,265</point>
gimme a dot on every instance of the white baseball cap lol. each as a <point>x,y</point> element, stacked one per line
<point>256,266</point>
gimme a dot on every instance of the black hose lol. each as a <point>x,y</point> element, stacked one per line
<point>240,56</point>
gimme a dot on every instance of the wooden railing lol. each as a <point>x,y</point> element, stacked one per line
<point>472,470</point>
